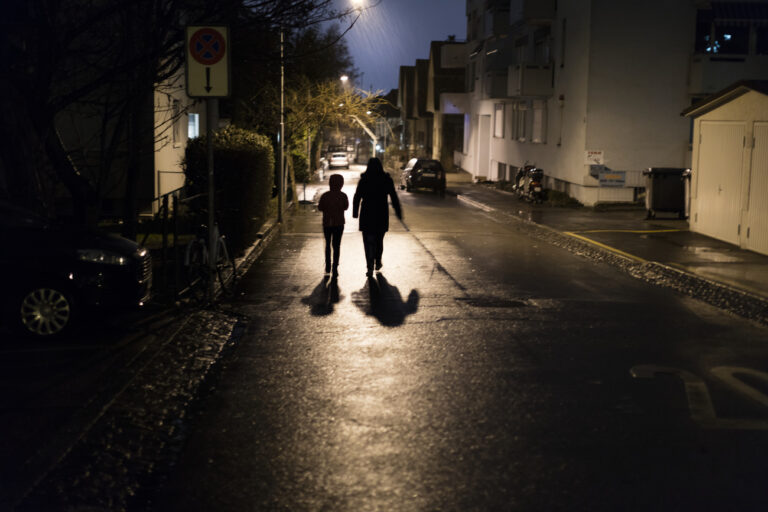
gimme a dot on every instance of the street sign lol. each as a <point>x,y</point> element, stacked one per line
<point>207,62</point>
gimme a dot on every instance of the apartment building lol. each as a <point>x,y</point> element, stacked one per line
<point>592,90</point>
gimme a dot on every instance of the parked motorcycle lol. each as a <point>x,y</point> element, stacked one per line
<point>529,183</point>
<point>535,185</point>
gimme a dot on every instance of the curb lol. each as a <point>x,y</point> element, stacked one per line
<point>722,296</point>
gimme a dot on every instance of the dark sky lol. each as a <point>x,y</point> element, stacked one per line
<point>395,33</point>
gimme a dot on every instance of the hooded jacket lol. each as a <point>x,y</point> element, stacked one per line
<point>334,202</point>
<point>372,191</point>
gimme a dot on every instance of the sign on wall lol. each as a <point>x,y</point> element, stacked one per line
<point>594,157</point>
<point>207,59</point>
<point>610,178</point>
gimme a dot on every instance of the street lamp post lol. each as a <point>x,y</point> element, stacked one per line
<point>281,164</point>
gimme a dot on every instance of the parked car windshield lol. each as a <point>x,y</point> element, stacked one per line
<point>432,165</point>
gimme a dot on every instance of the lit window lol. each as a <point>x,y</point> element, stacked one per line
<point>193,127</point>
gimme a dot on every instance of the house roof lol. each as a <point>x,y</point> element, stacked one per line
<point>728,94</point>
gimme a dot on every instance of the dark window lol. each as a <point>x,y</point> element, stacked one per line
<point>562,44</point>
<point>762,41</point>
<point>703,30</point>
<point>731,39</point>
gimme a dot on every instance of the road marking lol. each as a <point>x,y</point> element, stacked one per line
<point>699,401</point>
<point>727,375</point>
<point>474,203</point>
<point>638,231</point>
<point>606,247</point>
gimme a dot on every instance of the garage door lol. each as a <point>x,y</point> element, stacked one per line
<point>718,188</point>
<point>757,218</point>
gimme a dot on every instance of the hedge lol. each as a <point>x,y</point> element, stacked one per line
<point>244,165</point>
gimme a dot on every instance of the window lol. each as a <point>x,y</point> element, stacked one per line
<point>541,46</point>
<point>521,48</point>
<point>193,126</point>
<point>761,47</point>
<point>562,44</point>
<point>176,120</point>
<point>522,130</point>
<point>501,171</point>
<point>498,120</point>
<point>539,122</point>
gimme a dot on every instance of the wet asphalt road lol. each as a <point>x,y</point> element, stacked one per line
<point>482,370</point>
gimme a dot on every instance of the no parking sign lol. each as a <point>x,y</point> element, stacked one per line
<point>207,52</point>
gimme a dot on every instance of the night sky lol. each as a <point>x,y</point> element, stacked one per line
<point>397,32</point>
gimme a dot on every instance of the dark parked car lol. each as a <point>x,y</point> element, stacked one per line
<point>55,274</point>
<point>423,173</point>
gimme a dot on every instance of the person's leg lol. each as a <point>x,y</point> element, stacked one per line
<point>379,249</point>
<point>336,243</point>
<point>369,242</point>
<point>327,232</point>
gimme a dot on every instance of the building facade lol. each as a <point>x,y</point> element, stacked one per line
<point>587,89</point>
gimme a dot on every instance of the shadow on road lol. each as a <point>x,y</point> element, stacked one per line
<point>380,299</point>
<point>323,297</point>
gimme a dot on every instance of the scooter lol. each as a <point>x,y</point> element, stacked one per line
<point>535,189</point>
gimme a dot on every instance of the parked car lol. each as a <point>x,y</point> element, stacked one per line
<point>423,173</point>
<point>55,275</point>
<point>338,160</point>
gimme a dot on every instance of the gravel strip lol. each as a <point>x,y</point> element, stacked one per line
<point>134,436</point>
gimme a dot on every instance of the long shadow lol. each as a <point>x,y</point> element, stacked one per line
<point>380,299</point>
<point>323,297</point>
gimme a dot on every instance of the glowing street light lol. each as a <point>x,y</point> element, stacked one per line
<point>344,78</point>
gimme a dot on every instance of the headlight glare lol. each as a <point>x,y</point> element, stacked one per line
<point>101,256</point>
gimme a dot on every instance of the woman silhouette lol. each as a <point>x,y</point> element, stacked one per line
<point>372,191</point>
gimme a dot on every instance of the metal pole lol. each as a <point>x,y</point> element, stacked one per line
<point>209,115</point>
<point>281,181</point>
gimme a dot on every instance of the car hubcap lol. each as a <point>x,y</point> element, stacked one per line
<point>45,311</point>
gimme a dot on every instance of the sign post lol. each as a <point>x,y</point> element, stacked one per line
<point>207,72</point>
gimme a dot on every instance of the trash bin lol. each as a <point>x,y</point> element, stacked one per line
<point>666,190</point>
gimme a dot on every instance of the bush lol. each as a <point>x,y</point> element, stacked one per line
<point>244,165</point>
<point>300,171</point>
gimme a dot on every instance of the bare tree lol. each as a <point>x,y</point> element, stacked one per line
<point>100,60</point>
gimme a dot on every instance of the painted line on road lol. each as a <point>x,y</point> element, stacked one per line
<point>474,203</point>
<point>606,247</point>
<point>638,231</point>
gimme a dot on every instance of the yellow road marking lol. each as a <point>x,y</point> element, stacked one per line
<point>607,247</point>
<point>642,232</point>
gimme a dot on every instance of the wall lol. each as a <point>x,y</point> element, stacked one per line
<point>639,56</point>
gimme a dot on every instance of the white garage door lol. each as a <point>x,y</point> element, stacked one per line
<point>757,219</point>
<point>718,189</point>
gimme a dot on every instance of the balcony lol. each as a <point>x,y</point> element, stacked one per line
<point>495,85</point>
<point>532,12</point>
<point>711,73</point>
<point>529,80</point>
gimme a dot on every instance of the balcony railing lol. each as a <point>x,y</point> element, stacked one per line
<point>529,80</point>
<point>711,73</point>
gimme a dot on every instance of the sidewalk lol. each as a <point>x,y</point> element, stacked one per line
<point>707,265</point>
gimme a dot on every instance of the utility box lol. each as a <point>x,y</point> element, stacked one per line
<point>667,189</point>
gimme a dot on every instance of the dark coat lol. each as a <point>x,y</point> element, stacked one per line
<point>372,191</point>
<point>334,202</point>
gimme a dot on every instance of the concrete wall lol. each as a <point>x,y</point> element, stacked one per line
<point>638,77</point>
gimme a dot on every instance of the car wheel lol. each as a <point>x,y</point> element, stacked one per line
<point>45,310</point>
